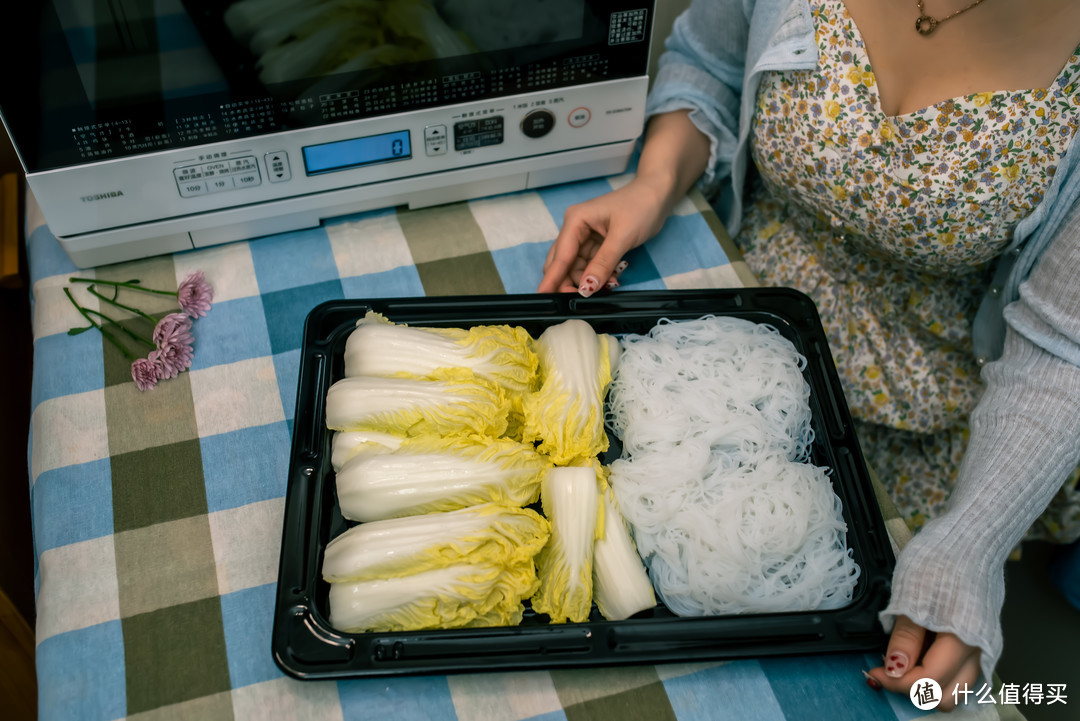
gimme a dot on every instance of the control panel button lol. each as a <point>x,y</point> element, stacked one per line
<point>479,133</point>
<point>191,188</point>
<point>277,166</point>
<point>217,185</point>
<point>219,176</point>
<point>435,140</point>
<point>247,180</point>
<point>538,123</point>
<point>579,117</point>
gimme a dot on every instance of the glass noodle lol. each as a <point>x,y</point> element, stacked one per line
<point>715,479</point>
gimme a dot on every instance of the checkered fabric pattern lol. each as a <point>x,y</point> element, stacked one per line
<point>158,515</point>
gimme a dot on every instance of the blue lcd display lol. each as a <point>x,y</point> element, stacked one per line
<point>352,153</point>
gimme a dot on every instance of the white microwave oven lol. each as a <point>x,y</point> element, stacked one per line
<point>155,126</point>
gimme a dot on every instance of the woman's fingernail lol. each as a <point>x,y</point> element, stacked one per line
<point>872,682</point>
<point>612,284</point>
<point>588,285</point>
<point>620,268</point>
<point>896,664</point>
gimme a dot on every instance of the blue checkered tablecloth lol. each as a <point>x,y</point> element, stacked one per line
<point>157,515</point>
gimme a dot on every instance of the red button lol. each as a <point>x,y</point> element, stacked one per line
<point>579,117</point>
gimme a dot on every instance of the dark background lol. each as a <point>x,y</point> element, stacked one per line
<point>18,687</point>
<point>16,558</point>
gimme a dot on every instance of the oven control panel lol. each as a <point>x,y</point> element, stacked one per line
<point>413,144</point>
<point>420,157</point>
<point>217,176</point>
<point>458,134</point>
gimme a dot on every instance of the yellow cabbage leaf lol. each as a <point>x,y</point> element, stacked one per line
<point>566,415</point>
<point>432,473</point>
<point>502,354</point>
<point>463,595</point>
<point>486,533</point>
<point>452,404</point>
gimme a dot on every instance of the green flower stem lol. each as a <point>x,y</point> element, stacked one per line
<point>127,331</point>
<point>147,316</point>
<point>105,334</point>
<point>119,284</point>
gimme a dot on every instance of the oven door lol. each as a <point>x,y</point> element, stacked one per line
<point>171,112</point>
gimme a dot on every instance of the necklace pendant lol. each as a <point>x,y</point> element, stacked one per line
<point>925,24</point>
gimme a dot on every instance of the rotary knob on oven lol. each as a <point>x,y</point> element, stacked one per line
<point>538,123</point>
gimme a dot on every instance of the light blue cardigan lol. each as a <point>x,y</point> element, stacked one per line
<point>1025,432</point>
<point>713,65</point>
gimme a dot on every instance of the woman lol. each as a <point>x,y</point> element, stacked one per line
<point>910,166</point>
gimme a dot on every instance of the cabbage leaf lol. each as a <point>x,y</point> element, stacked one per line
<point>487,533</point>
<point>432,473</point>
<point>459,596</point>
<point>566,415</point>
<point>571,502</point>
<point>449,404</point>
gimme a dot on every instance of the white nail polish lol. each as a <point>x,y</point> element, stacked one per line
<point>589,285</point>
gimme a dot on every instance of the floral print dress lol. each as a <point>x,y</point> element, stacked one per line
<point>891,225</point>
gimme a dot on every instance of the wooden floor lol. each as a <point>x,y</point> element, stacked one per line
<point>18,688</point>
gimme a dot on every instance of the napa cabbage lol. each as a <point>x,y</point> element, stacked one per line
<point>566,415</point>
<point>621,585</point>
<point>458,596</point>
<point>433,473</point>
<point>453,403</point>
<point>346,444</point>
<point>486,533</point>
<point>500,353</point>
<point>571,501</point>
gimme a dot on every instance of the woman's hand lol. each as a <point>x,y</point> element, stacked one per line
<point>596,234</point>
<point>915,653</point>
<point>587,254</point>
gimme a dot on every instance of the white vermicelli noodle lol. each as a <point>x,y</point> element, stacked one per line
<point>715,481</point>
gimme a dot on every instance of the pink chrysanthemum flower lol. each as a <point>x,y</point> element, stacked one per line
<point>173,329</point>
<point>145,373</point>
<point>194,294</point>
<point>172,358</point>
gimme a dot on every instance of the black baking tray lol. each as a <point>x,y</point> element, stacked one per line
<point>306,646</point>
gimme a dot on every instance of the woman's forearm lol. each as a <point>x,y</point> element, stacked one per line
<point>1025,439</point>
<point>674,155</point>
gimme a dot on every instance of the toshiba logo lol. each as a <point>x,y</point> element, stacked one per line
<point>102,196</point>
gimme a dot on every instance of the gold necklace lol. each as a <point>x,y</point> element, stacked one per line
<point>927,24</point>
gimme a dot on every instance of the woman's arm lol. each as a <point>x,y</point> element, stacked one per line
<point>691,134</point>
<point>596,234</point>
<point>1025,440</point>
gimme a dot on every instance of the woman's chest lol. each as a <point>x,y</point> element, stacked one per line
<point>938,188</point>
<point>975,46</point>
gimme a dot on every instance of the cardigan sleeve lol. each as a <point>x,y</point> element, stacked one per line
<point>701,70</point>
<point>1025,440</point>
